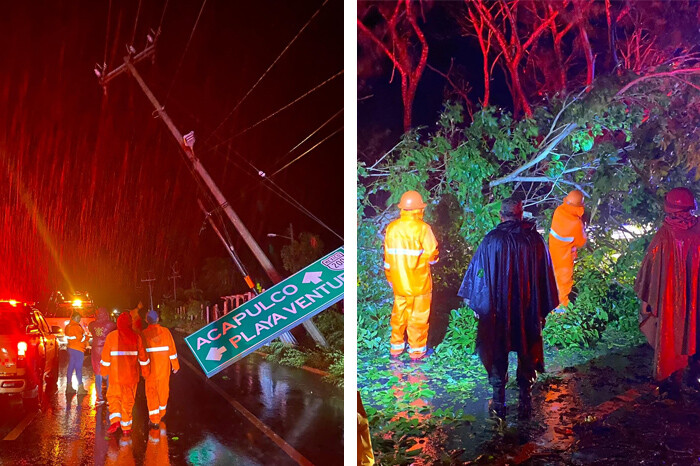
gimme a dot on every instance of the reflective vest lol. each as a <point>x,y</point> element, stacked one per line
<point>410,248</point>
<point>161,350</point>
<point>76,336</point>
<point>121,360</point>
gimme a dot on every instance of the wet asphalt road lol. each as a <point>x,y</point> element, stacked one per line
<point>252,413</point>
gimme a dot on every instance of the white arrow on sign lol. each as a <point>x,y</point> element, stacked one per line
<point>312,277</point>
<point>215,353</point>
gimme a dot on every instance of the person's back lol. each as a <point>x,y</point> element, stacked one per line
<point>410,246</point>
<point>510,286</point>
<point>122,355</point>
<point>161,350</point>
<point>669,288</point>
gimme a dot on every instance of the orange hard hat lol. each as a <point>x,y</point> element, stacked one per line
<point>411,200</point>
<point>574,198</point>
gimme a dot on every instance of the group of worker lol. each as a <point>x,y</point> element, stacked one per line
<point>514,280</point>
<point>121,354</point>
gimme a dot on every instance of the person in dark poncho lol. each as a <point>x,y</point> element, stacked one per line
<point>511,288</point>
<point>668,284</point>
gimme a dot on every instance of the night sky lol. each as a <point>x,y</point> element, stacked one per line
<point>95,192</point>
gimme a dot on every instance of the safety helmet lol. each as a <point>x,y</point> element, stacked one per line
<point>680,200</point>
<point>411,200</point>
<point>574,198</point>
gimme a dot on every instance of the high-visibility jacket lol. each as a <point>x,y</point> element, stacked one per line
<point>76,336</point>
<point>565,237</point>
<point>161,350</point>
<point>410,248</point>
<point>121,360</point>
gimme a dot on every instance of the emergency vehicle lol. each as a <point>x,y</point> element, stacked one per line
<point>60,309</point>
<point>28,352</point>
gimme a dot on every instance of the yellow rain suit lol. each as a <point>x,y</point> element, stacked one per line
<point>410,249</point>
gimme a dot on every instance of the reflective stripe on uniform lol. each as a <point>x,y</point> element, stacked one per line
<point>566,239</point>
<point>105,363</point>
<point>417,350</point>
<point>155,411</point>
<point>71,338</point>
<point>404,252</point>
<point>173,356</point>
<point>162,408</point>
<point>123,353</point>
<point>112,416</point>
<point>433,262</point>
<point>157,348</point>
<point>145,363</point>
<point>83,339</point>
<point>398,347</point>
<point>386,265</point>
<point>124,424</point>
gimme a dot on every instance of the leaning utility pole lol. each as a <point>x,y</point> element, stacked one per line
<point>187,149</point>
<point>150,281</point>
<point>286,337</point>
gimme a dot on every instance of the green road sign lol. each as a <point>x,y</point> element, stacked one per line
<point>263,318</point>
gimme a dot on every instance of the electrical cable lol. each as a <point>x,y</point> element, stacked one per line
<point>136,22</point>
<point>286,196</point>
<point>109,20</point>
<point>309,150</point>
<point>265,73</point>
<point>225,141</point>
<point>309,136</point>
<point>162,16</point>
<point>182,57</point>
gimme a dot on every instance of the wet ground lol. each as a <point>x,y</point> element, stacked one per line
<point>602,411</point>
<point>252,413</point>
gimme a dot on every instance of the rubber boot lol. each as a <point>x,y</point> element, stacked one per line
<point>525,406</point>
<point>694,373</point>
<point>497,405</point>
<point>672,386</point>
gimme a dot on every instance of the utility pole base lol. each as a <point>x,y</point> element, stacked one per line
<point>315,333</point>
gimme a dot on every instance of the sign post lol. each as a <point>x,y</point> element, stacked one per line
<point>262,319</point>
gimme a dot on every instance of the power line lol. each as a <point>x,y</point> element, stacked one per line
<point>286,196</point>
<point>265,73</point>
<point>309,150</point>
<point>182,58</point>
<point>225,141</point>
<point>162,16</point>
<point>310,135</point>
<point>109,18</point>
<point>136,22</point>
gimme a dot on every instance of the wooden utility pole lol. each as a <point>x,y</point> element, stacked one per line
<point>187,149</point>
<point>286,337</point>
<point>150,281</point>
<point>174,277</point>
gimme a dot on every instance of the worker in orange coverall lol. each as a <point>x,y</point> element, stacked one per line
<point>410,249</point>
<point>566,236</point>
<point>77,342</point>
<point>163,355</point>
<point>122,355</point>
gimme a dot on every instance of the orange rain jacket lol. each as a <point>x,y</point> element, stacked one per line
<point>76,336</point>
<point>161,350</point>
<point>121,360</point>
<point>565,237</point>
<point>410,248</point>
